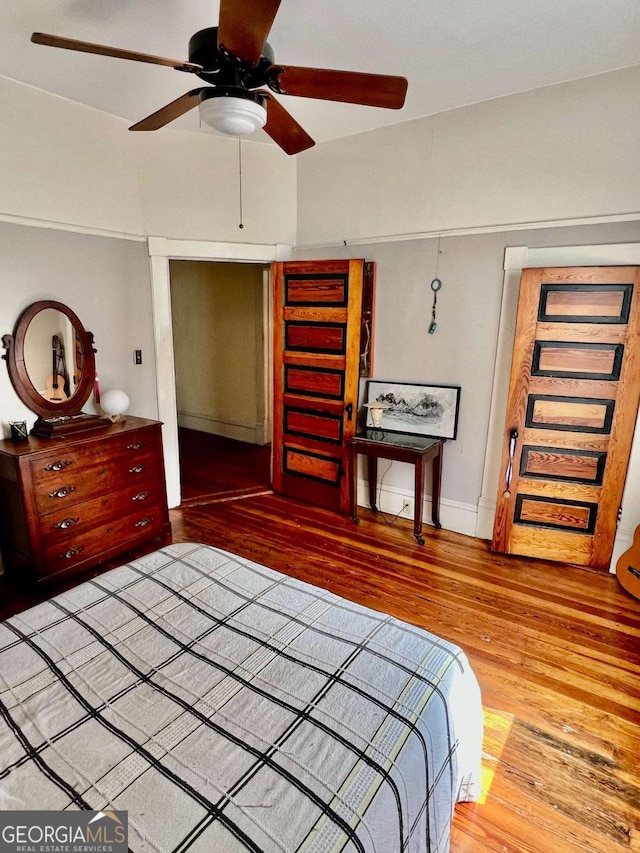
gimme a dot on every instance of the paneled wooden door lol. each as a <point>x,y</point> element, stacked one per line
<point>571,413</point>
<point>319,308</point>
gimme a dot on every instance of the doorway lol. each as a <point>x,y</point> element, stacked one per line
<point>516,259</point>
<point>571,413</point>
<point>220,316</point>
<point>161,250</point>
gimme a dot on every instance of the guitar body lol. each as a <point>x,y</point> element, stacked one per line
<point>54,391</point>
<point>628,567</point>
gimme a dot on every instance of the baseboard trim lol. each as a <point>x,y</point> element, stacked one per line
<point>476,521</point>
<point>237,431</point>
<point>454,515</point>
<point>486,516</point>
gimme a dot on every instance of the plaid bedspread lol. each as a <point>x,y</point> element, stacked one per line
<point>228,708</point>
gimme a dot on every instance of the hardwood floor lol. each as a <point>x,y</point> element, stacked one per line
<point>217,468</point>
<point>556,650</point>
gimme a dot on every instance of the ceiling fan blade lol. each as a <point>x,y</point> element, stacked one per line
<point>283,128</point>
<point>352,87</point>
<point>243,26</point>
<point>170,112</point>
<point>103,50</point>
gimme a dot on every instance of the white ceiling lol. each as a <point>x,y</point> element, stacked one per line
<point>453,52</point>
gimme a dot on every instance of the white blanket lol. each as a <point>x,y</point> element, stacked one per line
<point>228,707</point>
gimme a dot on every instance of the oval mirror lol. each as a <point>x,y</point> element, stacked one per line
<point>50,360</point>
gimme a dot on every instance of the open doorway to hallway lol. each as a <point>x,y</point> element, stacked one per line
<point>222,354</point>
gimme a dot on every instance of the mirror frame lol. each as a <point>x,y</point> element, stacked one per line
<point>22,384</point>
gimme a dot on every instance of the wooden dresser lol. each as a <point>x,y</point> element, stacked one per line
<point>67,504</point>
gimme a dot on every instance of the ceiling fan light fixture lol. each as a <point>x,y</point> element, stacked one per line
<point>235,113</point>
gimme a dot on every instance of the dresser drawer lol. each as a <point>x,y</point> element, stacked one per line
<point>70,521</point>
<point>81,484</point>
<point>78,549</point>
<point>75,501</point>
<point>58,465</point>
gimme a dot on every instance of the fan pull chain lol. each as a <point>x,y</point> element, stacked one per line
<point>241,225</point>
<point>436,284</point>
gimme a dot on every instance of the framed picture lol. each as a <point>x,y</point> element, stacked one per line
<point>429,410</point>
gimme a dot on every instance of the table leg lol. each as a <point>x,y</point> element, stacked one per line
<point>373,481</point>
<point>353,484</point>
<point>418,497</point>
<point>435,489</point>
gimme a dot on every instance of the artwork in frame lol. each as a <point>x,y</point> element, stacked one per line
<point>429,410</point>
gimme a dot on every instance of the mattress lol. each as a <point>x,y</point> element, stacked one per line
<point>227,707</point>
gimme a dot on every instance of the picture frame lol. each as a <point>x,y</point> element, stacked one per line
<point>415,408</point>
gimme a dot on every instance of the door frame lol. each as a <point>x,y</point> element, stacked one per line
<point>161,251</point>
<point>517,258</point>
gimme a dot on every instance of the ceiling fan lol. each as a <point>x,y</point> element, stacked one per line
<point>235,59</point>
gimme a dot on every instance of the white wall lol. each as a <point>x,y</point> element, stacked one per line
<point>218,347</point>
<point>562,152</point>
<point>463,349</point>
<point>191,188</point>
<point>568,151</point>
<point>83,180</point>
<point>556,156</point>
<point>65,163</point>
<point>68,164</point>
<point>105,282</point>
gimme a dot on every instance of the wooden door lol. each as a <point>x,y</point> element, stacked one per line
<point>318,310</point>
<point>571,413</point>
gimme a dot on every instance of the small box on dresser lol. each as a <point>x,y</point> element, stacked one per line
<point>70,503</point>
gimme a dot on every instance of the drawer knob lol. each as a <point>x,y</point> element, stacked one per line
<point>144,522</point>
<point>70,553</point>
<point>62,492</point>
<point>60,465</point>
<point>68,522</point>
<point>141,496</point>
<point>137,469</point>
<point>136,445</point>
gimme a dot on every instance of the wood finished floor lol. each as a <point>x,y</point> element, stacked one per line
<point>215,468</point>
<point>556,650</point>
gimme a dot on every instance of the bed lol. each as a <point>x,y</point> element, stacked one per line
<point>227,707</point>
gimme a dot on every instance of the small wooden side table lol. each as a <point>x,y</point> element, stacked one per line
<point>399,447</point>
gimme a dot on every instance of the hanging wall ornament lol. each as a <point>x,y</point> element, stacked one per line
<point>436,284</point>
